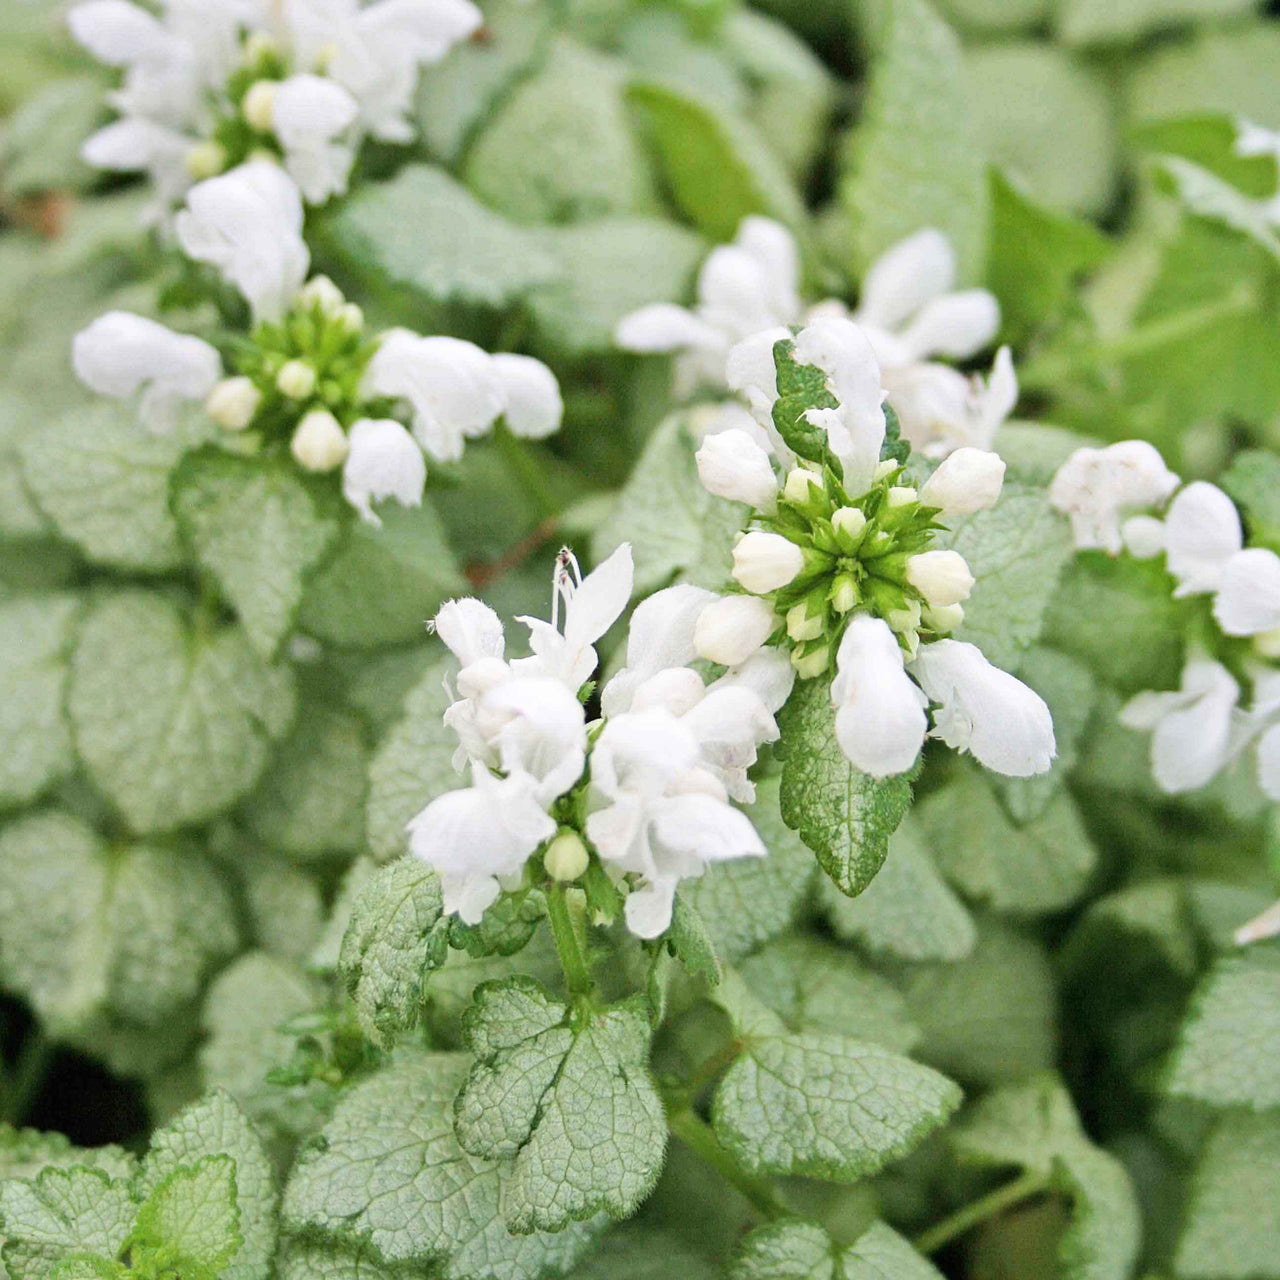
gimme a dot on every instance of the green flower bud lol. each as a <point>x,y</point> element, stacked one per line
<point>566,857</point>
<point>801,625</point>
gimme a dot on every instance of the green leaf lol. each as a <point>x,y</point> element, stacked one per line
<point>815,986</point>
<point>1253,480</point>
<point>818,1104</point>
<point>914,160</point>
<point>1209,140</point>
<point>992,1016</point>
<point>414,765</point>
<point>192,1212</point>
<point>675,527</point>
<point>1208,196</point>
<point>35,635</point>
<point>1016,551</point>
<point>383,583</point>
<point>19,515</point>
<point>1034,257</point>
<point>1034,1125</point>
<point>324,1260</point>
<point>25,1152</point>
<point>607,269</point>
<point>566,1097</point>
<point>40,147</point>
<point>845,816</point>
<point>103,480</point>
<point>1232,1217</point>
<point>215,1127</point>
<point>389,1173</point>
<point>908,911</point>
<point>256,527</point>
<point>311,800</point>
<point>795,1250</point>
<point>560,148</point>
<point>1041,866</point>
<point>476,256</point>
<point>718,168</point>
<point>691,943</point>
<point>173,725</point>
<point>285,905</point>
<point>747,901</point>
<point>84,927</point>
<point>395,937</point>
<point>638,1251</point>
<point>1089,21</point>
<point>60,1213</point>
<point>1228,1048</point>
<point>87,1266</point>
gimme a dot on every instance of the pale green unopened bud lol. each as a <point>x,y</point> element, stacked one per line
<point>259,104</point>
<point>844,593</point>
<point>944,618</point>
<point>849,524</point>
<point>325,56</point>
<point>296,379</point>
<point>886,467</point>
<point>942,577</point>
<point>352,317</point>
<point>800,626</point>
<point>764,562</point>
<point>259,46</point>
<point>206,160</point>
<point>1267,643</point>
<point>566,857</point>
<point>902,496</point>
<point>906,619</point>
<point>809,665</point>
<point>319,442</point>
<point>800,481</point>
<point>233,402</point>
<point>321,292</point>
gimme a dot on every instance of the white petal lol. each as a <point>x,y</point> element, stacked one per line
<point>308,113</point>
<point>734,293</point>
<point>647,910</point>
<point>119,33</point>
<point>471,630</point>
<point>968,480</point>
<point>1202,533</point>
<point>750,367</point>
<point>1144,536</point>
<point>427,29</point>
<point>539,728</point>
<point>768,673</point>
<point>1269,762</point>
<point>880,723</point>
<point>1248,601</point>
<point>534,407</point>
<point>956,325</point>
<point>1094,487</point>
<point>1003,722</point>
<point>775,248</point>
<point>764,562</point>
<point>665,327</point>
<point>731,464</point>
<point>903,278</point>
<point>677,690</point>
<point>996,401</point>
<point>383,461</point>
<point>599,602</point>
<point>134,143</point>
<point>732,628</point>
<point>707,828</point>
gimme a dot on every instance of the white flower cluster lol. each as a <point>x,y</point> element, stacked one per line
<point>1200,728</point>
<point>646,791</point>
<point>846,565</point>
<point>312,371</point>
<point>907,310</point>
<point>210,82</point>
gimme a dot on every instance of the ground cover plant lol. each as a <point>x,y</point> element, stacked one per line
<point>639,636</point>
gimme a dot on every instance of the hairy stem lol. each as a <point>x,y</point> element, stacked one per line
<point>700,1138</point>
<point>577,976</point>
<point>988,1206</point>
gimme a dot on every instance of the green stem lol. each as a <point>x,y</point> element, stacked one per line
<point>1045,372</point>
<point>577,976</point>
<point>700,1138</point>
<point>28,1075</point>
<point>988,1206</point>
<point>524,462</point>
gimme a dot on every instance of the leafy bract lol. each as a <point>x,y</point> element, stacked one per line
<point>258,529</point>
<point>389,1173</point>
<point>1034,1125</point>
<point>395,937</point>
<point>818,1104</point>
<point>567,1097</point>
<point>1228,1047</point>
<point>173,724</point>
<point>845,816</point>
<point>794,1250</point>
<point>191,1215</point>
<point>35,635</point>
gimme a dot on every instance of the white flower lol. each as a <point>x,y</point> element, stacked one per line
<point>532,404</point>
<point>1192,739</point>
<point>940,409</point>
<point>475,837</point>
<point>731,464</point>
<point>319,442</point>
<point>880,720</point>
<point>731,629</point>
<point>120,353</point>
<point>1248,602</point>
<point>135,144</point>
<point>764,562</point>
<point>248,224</point>
<point>942,577</point>
<point>968,480</point>
<point>452,386</point>
<point>1097,487</point>
<point>1202,532</point>
<point>384,461</point>
<point>1005,724</point>
<point>308,115</point>
<point>591,606</point>
<point>747,286</point>
<point>471,631</point>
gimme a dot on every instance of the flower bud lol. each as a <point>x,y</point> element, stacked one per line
<point>944,618</point>
<point>1144,537</point>
<point>886,467</point>
<point>259,104</point>
<point>942,577</point>
<point>967,481</point>
<point>233,402</point>
<point>800,481</point>
<point>259,46</point>
<point>352,317</point>
<point>321,292</point>
<point>844,593</point>
<point>296,379</point>
<point>731,629</point>
<point>319,443</point>
<point>206,160</point>
<point>732,465</point>
<point>849,524</point>
<point>1267,643</point>
<point>902,496</point>
<point>763,562</point>
<point>809,665</point>
<point>905,620</point>
<point>566,857</point>
<point>803,626</point>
